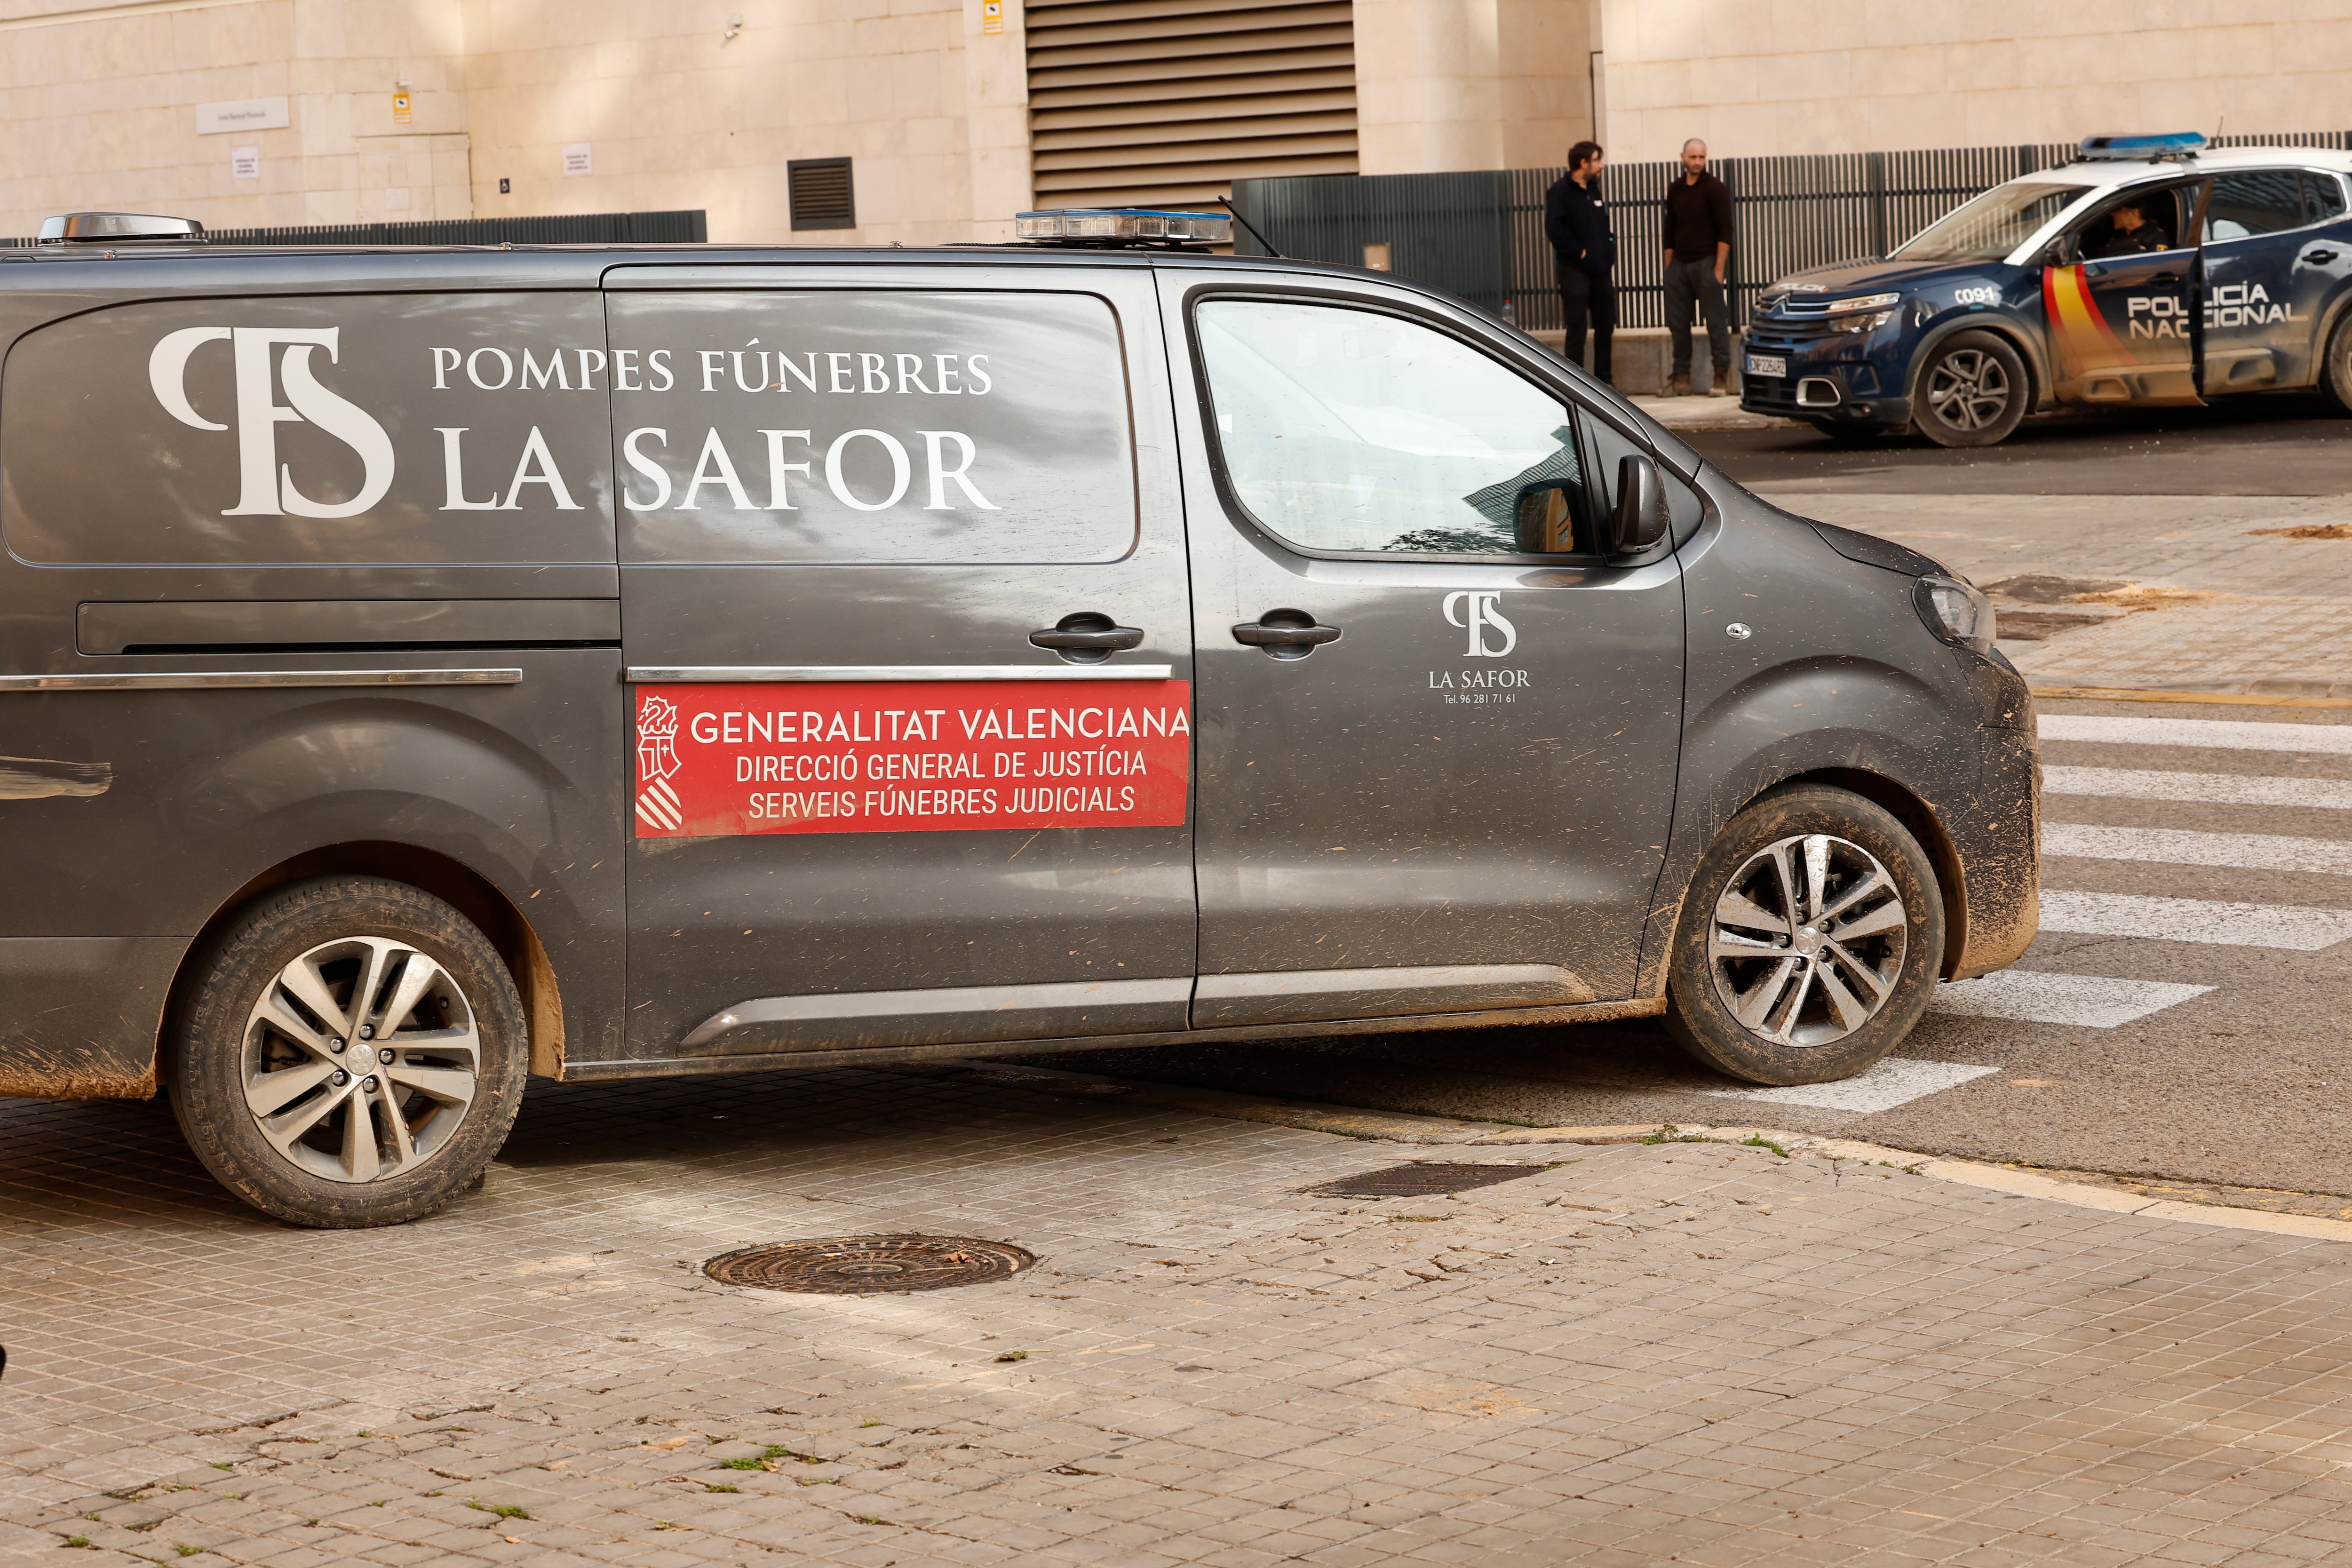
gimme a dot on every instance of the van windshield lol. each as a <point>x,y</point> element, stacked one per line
<point>1989,226</point>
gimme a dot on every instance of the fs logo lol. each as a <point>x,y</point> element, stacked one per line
<point>266,486</point>
<point>657,762</point>
<point>1476,609</point>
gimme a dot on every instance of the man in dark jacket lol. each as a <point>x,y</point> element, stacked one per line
<point>1697,225</point>
<point>1585,250</point>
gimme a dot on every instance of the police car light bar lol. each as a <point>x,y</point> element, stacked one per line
<point>2172,144</point>
<point>1123,226</point>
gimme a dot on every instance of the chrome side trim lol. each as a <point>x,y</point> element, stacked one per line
<point>196,679</point>
<point>713,673</point>
<point>681,1067</point>
<point>962,1012</point>
<point>1223,1000</point>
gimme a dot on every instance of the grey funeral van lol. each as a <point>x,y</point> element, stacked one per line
<point>425,669</point>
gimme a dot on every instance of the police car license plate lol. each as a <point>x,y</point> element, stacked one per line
<point>1767,365</point>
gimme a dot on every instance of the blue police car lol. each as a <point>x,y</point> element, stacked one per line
<point>2151,272</point>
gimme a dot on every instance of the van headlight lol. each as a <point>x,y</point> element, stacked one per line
<point>1954,612</point>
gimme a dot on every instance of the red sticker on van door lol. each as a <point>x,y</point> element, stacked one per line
<point>927,757</point>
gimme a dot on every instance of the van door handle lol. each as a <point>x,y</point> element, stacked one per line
<point>2319,257</point>
<point>1108,640</point>
<point>1285,633</point>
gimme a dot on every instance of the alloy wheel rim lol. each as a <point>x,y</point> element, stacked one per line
<point>1969,390</point>
<point>1808,941</point>
<point>360,1059</point>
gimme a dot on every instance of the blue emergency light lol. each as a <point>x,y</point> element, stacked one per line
<point>2170,145</point>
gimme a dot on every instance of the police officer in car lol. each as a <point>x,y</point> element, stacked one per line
<point>2135,233</point>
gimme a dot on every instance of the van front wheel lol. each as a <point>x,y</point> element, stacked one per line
<point>354,1054</point>
<point>1810,941</point>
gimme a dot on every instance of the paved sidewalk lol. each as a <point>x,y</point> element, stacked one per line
<point>2220,593</point>
<point>1649,1353</point>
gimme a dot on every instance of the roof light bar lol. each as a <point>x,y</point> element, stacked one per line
<point>1123,226</point>
<point>2170,145</point>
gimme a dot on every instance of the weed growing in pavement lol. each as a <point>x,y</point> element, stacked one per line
<point>767,1460</point>
<point>1015,1355</point>
<point>1757,1141</point>
<point>1669,1134</point>
<point>867,1421</point>
<point>1416,1218</point>
<point>217,1465</point>
<point>77,1541</point>
<point>185,1550</point>
<point>720,1487</point>
<point>503,1509</point>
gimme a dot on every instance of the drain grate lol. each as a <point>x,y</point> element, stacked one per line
<point>869,1265</point>
<point>1432,1179</point>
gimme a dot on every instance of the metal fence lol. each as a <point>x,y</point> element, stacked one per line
<point>1481,235</point>
<point>684,227</point>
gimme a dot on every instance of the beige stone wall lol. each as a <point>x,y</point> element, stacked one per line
<point>678,116</point>
<point>98,110</point>
<point>1759,76</point>
<point>1445,84</point>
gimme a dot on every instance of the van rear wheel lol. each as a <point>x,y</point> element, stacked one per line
<point>354,1054</point>
<point>1808,942</point>
<point>1971,391</point>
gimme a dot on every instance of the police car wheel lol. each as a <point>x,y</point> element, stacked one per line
<point>1810,941</point>
<point>1971,391</point>
<point>354,1054</point>
<point>2338,378</point>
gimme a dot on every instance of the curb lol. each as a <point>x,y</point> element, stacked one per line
<point>1403,1127</point>
<point>2235,698</point>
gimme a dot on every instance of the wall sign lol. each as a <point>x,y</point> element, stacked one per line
<point>244,114</point>
<point>576,158</point>
<point>917,757</point>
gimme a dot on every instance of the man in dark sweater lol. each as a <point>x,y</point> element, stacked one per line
<point>1697,225</point>
<point>1585,251</point>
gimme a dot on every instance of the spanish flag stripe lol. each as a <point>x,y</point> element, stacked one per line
<point>2085,338</point>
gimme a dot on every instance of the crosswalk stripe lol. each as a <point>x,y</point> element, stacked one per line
<point>2221,789</point>
<point>2080,1001</point>
<point>2172,847</point>
<point>2220,733</point>
<point>2205,921</point>
<point>1892,1081</point>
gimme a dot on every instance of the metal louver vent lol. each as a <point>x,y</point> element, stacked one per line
<point>822,195</point>
<point>1167,103</point>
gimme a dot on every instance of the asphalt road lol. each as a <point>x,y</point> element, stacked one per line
<point>2281,445</point>
<point>2239,1083</point>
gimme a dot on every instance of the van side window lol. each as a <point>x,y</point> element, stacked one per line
<point>1349,430</point>
<point>317,430</point>
<point>869,426</point>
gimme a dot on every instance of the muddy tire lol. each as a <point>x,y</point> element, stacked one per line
<point>1809,942</point>
<point>1971,391</point>
<point>2335,371</point>
<point>353,1053</point>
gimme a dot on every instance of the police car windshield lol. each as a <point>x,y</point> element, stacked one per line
<point>1991,226</point>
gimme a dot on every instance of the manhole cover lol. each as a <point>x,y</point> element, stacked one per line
<point>1423,1181</point>
<point>869,1265</point>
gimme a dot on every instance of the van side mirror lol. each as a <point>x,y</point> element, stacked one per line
<point>1639,518</point>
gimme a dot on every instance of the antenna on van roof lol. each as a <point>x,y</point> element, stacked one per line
<point>1227,203</point>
